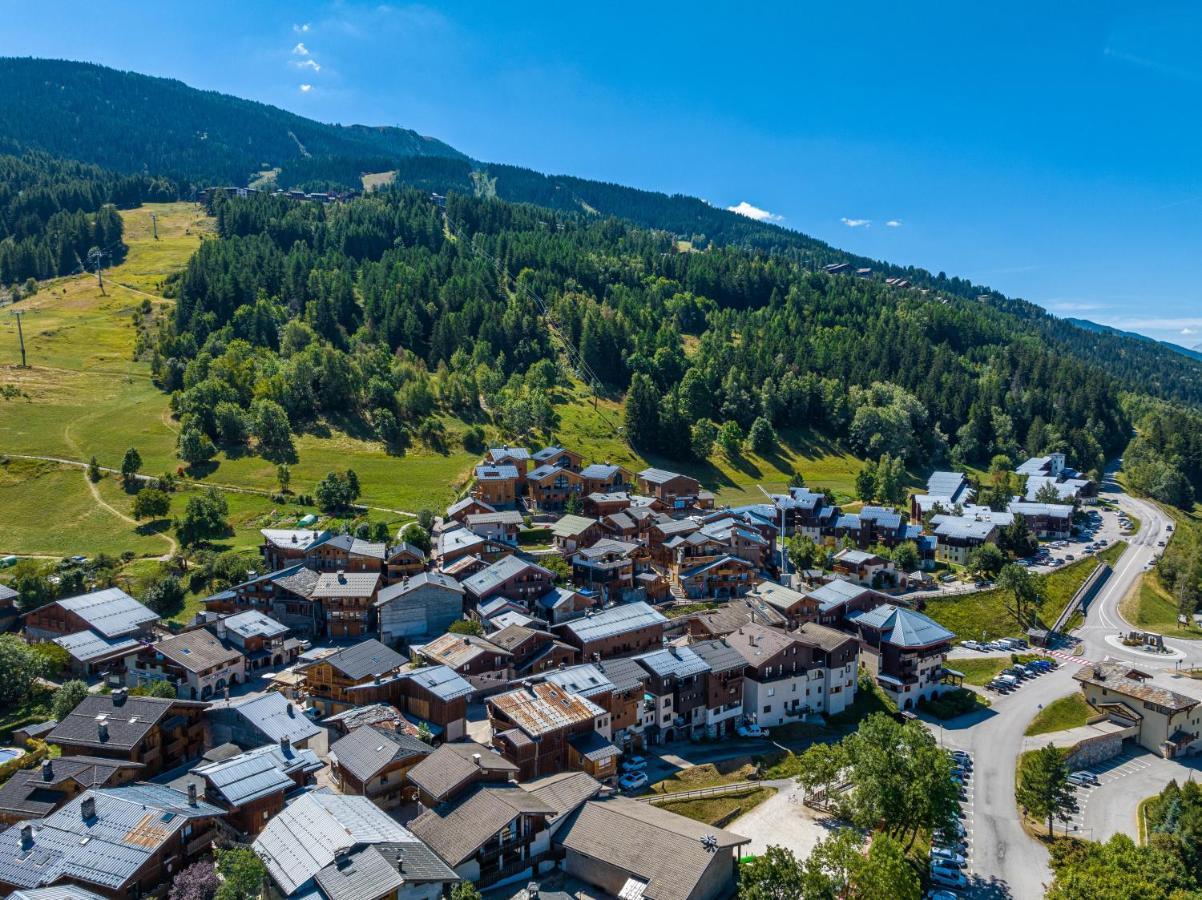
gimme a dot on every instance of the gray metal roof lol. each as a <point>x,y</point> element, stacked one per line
<point>947,484</point>
<point>88,645</point>
<point>600,470</point>
<point>676,662</point>
<point>312,830</point>
<point>106,850</point>
<point>112,612</point>
<point>55,892</point>
<point>496,473</point>
<point>835,592</point>
<point>586,680</point>
<point>361,874</point>
<point>269,713</point>
<point>902,627</point>
<point>618,620</point>
<point>250,776</point>
<point>493,576</point>
<point>625,674</point>
<point>658,476</point>
<point>421,579</point>
<point>7,593</point>
<point>367,751</point>
<point>442,681</point>
<point>254,624</point>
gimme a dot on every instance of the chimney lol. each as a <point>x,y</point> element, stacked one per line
<point>47,770</point>
<point>191,793</point>
<point>119,695</point>
<point>26,836</point>
<point>291,711</point>
<point>87,808</point>
<point>476,759</point>
<point>285,744</point>
<point>102,731</point>
<point>532,891</point>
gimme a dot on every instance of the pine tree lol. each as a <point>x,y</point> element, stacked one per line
<point>642,413</point>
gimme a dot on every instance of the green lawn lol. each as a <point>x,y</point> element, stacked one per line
<point>1149,605</point>
<point>49,511</point>
<point>712,810</point>
<point>979,671</point>
<point>730,771</point>
<point>1067,712</point>
<point>982,615</point>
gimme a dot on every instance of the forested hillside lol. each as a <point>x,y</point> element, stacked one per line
<point>135,123</point>
<point>52,212</point>
<point>372,308</point>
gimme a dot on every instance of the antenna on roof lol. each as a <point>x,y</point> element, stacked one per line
<point>710,843</point>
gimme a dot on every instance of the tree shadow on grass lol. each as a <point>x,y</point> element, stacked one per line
<point>153,527</point>
<point>202,470</point>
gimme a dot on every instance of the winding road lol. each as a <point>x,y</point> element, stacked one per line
<point>1005,860</point>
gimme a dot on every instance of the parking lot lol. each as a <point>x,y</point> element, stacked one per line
<point>1111,806</point>
<point>964,846</point>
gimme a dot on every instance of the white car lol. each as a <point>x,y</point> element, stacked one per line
<point>633,781</point>
<point>633,764</point>
<point>971,645</point>
<point>751,730</point>
<point>949,877</point>
<point>948,854</point>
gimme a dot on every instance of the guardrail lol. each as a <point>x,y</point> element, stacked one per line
<point>1087,590</point>
<point>734,788</point>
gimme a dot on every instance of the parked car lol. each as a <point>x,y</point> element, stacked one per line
<point>971,645</point>
<point>963,757</point>
<point>633,781</point>
<point>751,730</point>
<point>942,895</point>
<point>633,764</point>
<point>949,877</point>
<point>1083,777</point>
<point>948,854</point>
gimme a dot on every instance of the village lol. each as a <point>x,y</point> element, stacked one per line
<point>376,721</point>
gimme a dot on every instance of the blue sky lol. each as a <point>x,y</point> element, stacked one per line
<point>1049,150</point>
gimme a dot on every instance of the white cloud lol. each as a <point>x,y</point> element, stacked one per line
<point>754,212</point>
<point>893,223</point>
<point>856,223</point>
<point>1188,330</point>
<point>309,64</point>
<point>301,29</point>
<point>305,88</point>
<point>300,50</point>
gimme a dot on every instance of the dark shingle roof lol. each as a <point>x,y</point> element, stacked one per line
<point>125,725</point>
<point>453,765</point>
<point>366,751</point>
<point>456,832</point>
<point>364,660</point>
<point>654,845</point>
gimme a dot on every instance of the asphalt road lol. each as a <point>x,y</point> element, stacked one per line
<point>1006,862</point>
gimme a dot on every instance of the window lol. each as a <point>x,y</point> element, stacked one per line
<point>768,708</point>
<point>771,692</point>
